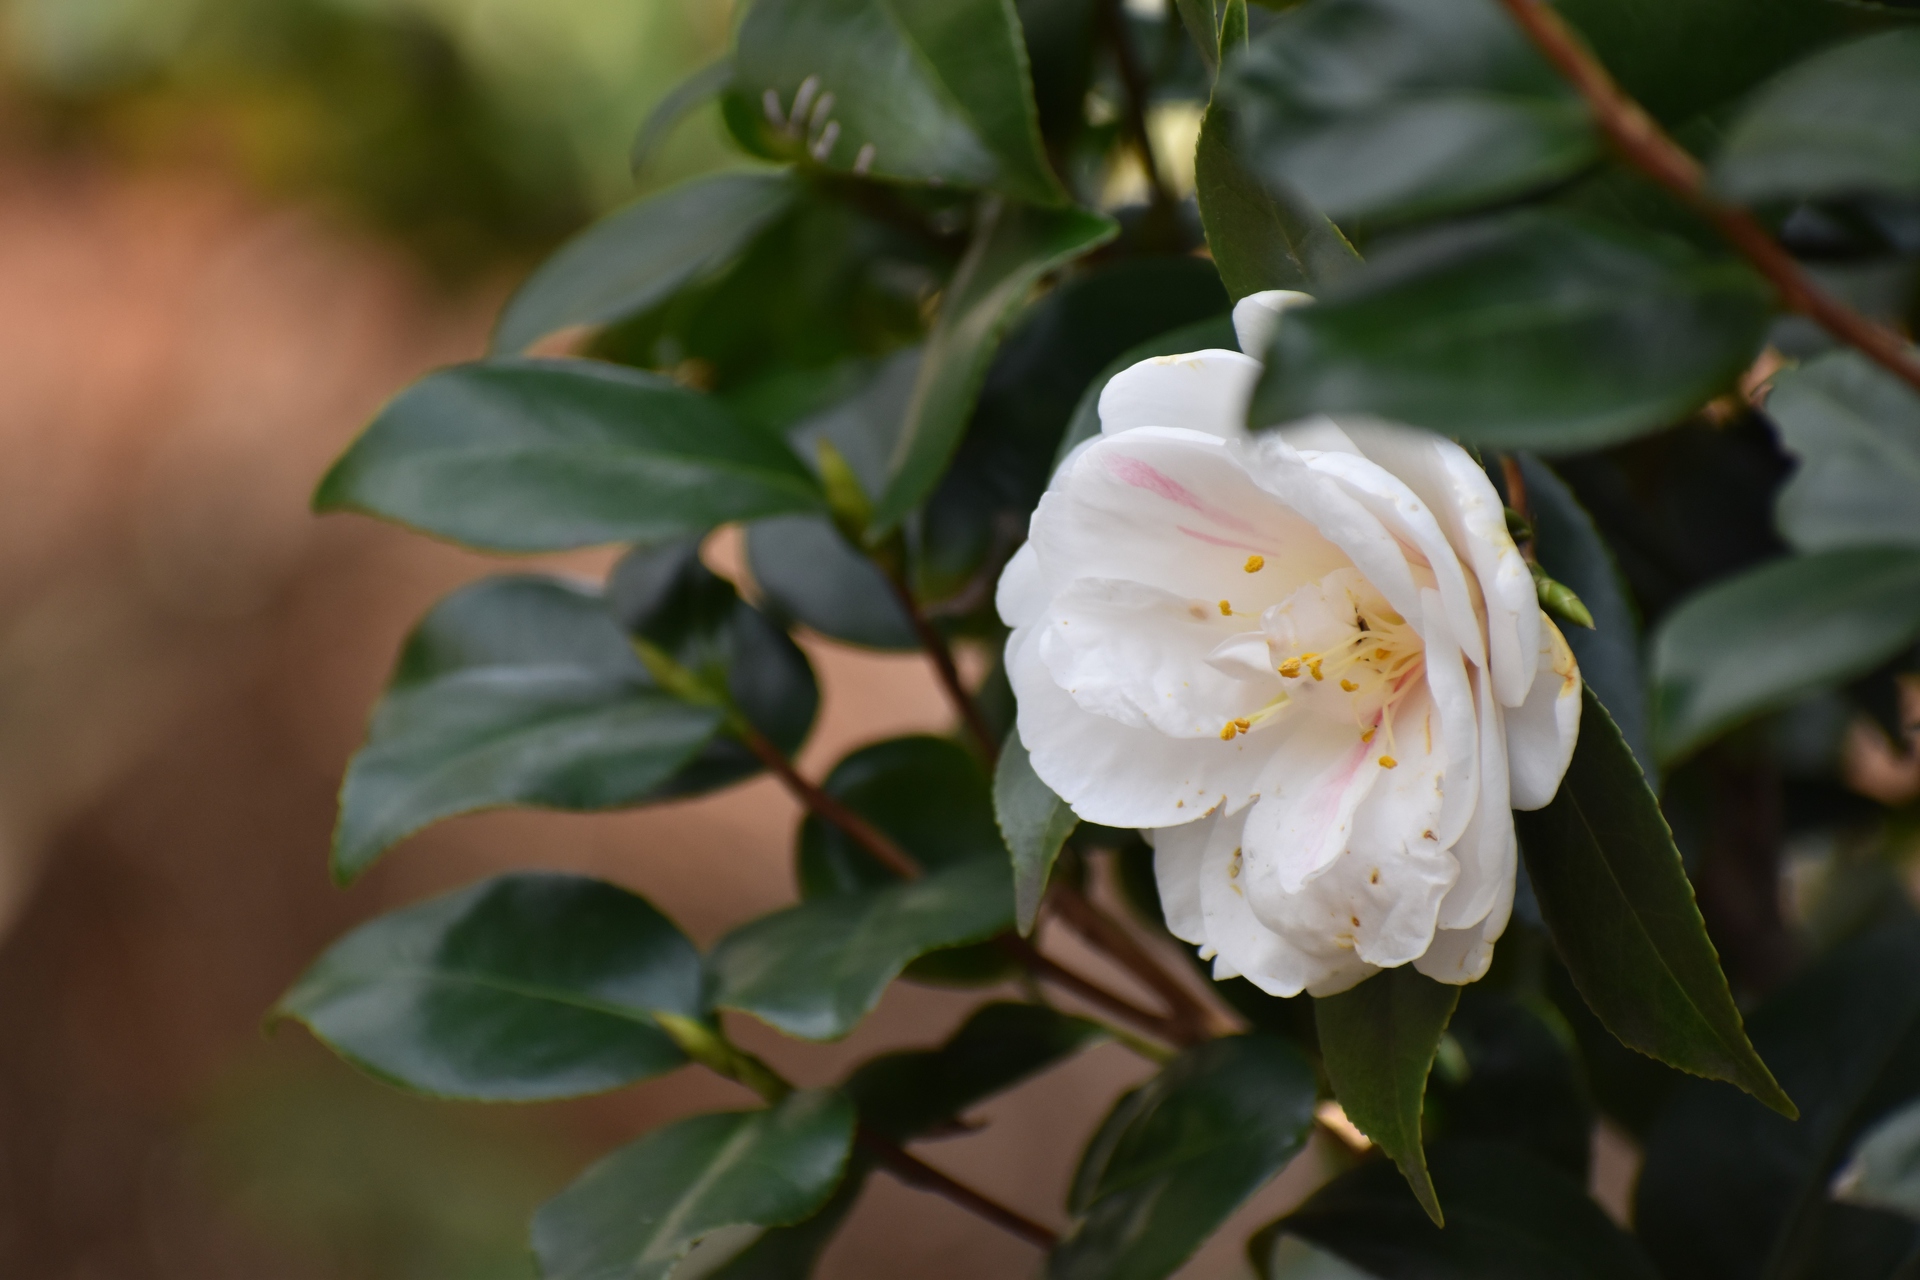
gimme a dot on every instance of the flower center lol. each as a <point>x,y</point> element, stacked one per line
<point>1372,655</point>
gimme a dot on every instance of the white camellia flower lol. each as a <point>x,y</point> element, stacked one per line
<point>1310,662</point>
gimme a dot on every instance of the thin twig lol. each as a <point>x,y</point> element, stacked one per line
<point>1643,144</point>
<point>944,666</point>
<point>1133,82</point>
<point>1197,1021</point>
<point>916,1172</point>
<point>903,864</point>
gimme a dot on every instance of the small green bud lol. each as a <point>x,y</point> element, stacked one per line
<point>846,499</point>
<point>1559,600</point>
<point>1519,528</point>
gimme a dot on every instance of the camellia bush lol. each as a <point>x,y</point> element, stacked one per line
<point>1448,583</point>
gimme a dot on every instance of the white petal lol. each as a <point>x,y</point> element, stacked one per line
<point>1021,596</point>
<point>1199,391</point>
<point>1447,478</point>
<point>1319,434</point>
<point>1244,656</point>
<point>1117,775</point>
<point>1486,849</point>
<point>1339,518</point>
<point>1138,655</point>
<point>1460,956</point>
<point>1458,723</point>
<point>1241,945</point>
<point>1257,315</point>
<point>1541,731</point>
<point>1176,510</point>
<point>1320,773</point>
<point>1177,863</point>
<point>1407,517</point>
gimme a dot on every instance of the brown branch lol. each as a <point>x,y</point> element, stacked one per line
<point>1133,81</point>
<point>1195,1020</point>
<point>903,864</point>
<point>944,666</point>
<point>1643,144</point>
<point>916,1172</point>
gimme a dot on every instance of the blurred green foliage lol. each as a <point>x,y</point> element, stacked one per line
<point>475,130</point>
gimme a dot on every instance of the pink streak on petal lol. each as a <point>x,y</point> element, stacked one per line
<point>1143,475</point>
<point>1221,542</point>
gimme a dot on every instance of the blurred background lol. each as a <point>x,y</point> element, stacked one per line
<point>229,229</point>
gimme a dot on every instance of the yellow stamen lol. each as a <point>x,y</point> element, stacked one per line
<point>1256,563</point>
<point>1290,668</point>
<point>1227,731</point>
<point>1314,667</point>
<point>1382,653</point>
<point>1368,735</point>
<point>1226,609</point>
<point>1243,724</point>
<point>1348,685</point>
<point>1388,762</point>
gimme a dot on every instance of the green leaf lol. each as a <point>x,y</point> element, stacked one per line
<point>512,691</point>
<point>639,256</point>
<point>1013,247</point>
<point>1510,1217</point>
<point>1390,110</point>
<point>790,1252</point>
<point>928,794</point>
<point>1377,1042</point>
<point>667,598</point>
<point>1516,1080</point>
<point>1616,899</point>
<point>635,1214</point>
<point>1844,122</point>
<point>1571,549</point>
<point>1202,334</point>
<point>815,970</point>
<point>546,455</point>
<point>1731,1189</point>
<point>906,1095</point>
<point>520,988</point>
<point>1855,429</point>
<point>1534,330</point>
<point>1767,637</point>
<point>1261,235</point>
<point>932,91</point>
<point>1176,1156</point>
<point>1034,822</point>
<point>1883,1172</point>
<point>698,89</point>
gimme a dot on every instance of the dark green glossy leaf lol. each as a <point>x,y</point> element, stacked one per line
<point>1198,17</point>
<point>519,988</point>
<point>1855,429</point>
<point>1034,822</point>
<point>1509,1217</point>
<point>1199,336</point>
<point>928,794</point>
<point>635,1214</point>
<point>545,455</point>
<point>666,597</point>
<point>513,691</point>
<point>918,90</point>
<point>815,970</point>
<point>1517,1081</point>
<point>641,255</point>
<point>1766,638</point>
<point>1571,549</point>
<point>904,1095</point>
<point>1013,247</point>
<point>1883,1172</point>
<point>1383,110</point>
<point>1537,330</point>
<point>1614,894</point>
<point>1844,122</point>
<point>1731,1189</point>
<point>1377,1042</point>
<point>1261,235</point>
<point>790,1252</point>
<point>674,106</point>
<point>1180,1153</point>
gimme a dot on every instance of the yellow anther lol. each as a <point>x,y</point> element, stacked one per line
<point>1388,762</point>
<point>1226,609</point>
<point>1290,668</point>
<point>1368,735</point>
<point>1348,685</point>
<point>1227,731</point>
<point>1314,667</point>
<point>1256,563</point>
<point>1244,723</point>
<point>1383,653</point>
